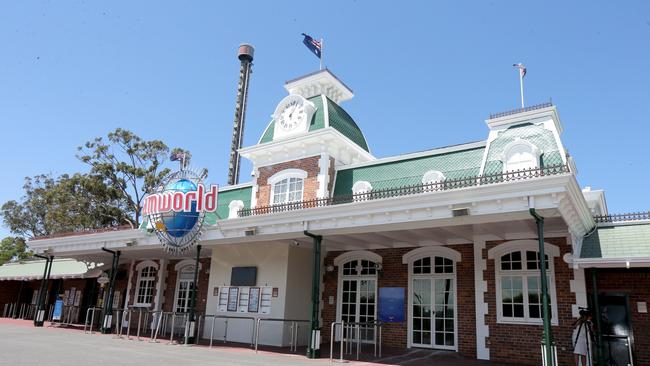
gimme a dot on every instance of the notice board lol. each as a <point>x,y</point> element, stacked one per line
<point>391,304</point>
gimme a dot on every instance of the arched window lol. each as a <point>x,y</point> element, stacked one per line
<point>146,283</point>
<point>287,186</point>
<point>518,286</point>
<point>432,311</point>
<point>520,155</point>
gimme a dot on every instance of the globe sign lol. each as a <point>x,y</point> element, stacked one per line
<point>176,209</point>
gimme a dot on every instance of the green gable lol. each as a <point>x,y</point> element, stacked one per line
<point>618,241</point>
<point>409,171</point>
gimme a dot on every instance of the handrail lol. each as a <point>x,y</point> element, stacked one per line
<point>294,331</point>
<point>333,336</point>
<point>92,318</point>
<point>407,190</point>
<point>376,325</point>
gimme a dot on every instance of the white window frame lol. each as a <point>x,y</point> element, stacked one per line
<point>139,268</point>
<point>286,174</point>
<point>523,246</point>
<point>517,144</point>
<point>346,257</point>
<point>178,268</point>
<point>410,258</point>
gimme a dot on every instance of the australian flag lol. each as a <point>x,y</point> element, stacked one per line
<point>313,45</point>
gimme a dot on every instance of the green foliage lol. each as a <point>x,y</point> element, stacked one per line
<point>67,203</point>
<point>127,163</point>
<point>13,248</point>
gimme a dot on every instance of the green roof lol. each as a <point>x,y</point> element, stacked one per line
<point>537,135</point>
<point>223,200</point>
<point>623,241</point>
<point>339,119</point>
<point>457,164</point>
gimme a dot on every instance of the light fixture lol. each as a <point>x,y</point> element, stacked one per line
<point>103,279</point>
<point>329,268</point>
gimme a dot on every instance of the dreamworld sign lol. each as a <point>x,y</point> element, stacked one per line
<point>176,209</point>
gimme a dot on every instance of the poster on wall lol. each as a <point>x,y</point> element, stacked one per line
<point>233,298</point>
<point>391,304</point>
<point>70,296</point>
<point>254,300</point>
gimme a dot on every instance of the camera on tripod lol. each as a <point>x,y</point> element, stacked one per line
<point>584,312</point>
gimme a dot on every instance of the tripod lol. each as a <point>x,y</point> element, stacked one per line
<point>584,325</point>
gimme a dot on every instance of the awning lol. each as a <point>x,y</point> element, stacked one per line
<point>622,244</point>
<point>33,270</point>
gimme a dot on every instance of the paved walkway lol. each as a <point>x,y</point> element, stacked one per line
<point>22,344</point>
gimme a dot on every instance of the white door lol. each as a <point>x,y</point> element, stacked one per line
<point>433,299</point>
<point>184,289</point>
<point>358,295</point>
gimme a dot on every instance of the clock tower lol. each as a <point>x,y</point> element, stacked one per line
<point>308,137</point>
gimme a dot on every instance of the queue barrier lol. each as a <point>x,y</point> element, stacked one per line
<point>293,343</point>
<point>226,319</point>
<point>333,337</point>
<point>69,315</point>
<point>90,313</point>
<point>351,334</point>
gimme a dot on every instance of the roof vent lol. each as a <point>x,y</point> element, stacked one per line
<point>458,212</point>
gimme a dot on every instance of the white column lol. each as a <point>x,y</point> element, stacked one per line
<point>480,287</point>
<point>129,284</point>
<point>160,285</point>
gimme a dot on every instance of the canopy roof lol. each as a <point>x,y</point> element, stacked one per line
<point>624,241</point>
<point>33,270</point>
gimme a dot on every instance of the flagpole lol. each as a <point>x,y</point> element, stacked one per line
<point>321,54</point>
<point>521,86</point>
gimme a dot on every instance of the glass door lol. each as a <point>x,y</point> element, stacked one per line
<point>359,296</point>
<point>616,332</point>
<point>433,315</point>
<point>184,290</point>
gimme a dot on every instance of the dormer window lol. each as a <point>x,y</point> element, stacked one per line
<point>433,176</point>
<point>287,186</point>
<point>520,155</point>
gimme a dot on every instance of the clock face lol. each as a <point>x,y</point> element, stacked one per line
<point>292,114</point>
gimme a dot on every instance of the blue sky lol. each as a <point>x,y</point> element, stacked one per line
<point>425,74</point>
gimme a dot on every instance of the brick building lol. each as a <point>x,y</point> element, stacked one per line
<point>441,246</point>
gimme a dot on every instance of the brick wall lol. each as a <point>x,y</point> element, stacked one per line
<point>634,282</point>
<point>520,344</point>
<point>9,291</point>
<point>395,274</point>
<point>309,165</point>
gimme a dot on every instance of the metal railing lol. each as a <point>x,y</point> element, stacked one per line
<point>351,334</point>
<point>521,110</point>
<point>631,216</point>
<point>90,313</point>
<point>406,190</point>
<point>333,337</point>
<point>293,342</point>
<point>226,319</point>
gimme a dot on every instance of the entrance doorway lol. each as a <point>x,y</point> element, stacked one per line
<point>432,303</point>
<point>184,289</point>
<point>358,295</point>
<point>616,330</point>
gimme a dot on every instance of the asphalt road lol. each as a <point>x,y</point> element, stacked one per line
<point>22,344</point>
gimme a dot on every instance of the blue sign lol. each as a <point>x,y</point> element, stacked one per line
<point>391,304</point>
<point>58,309</point>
